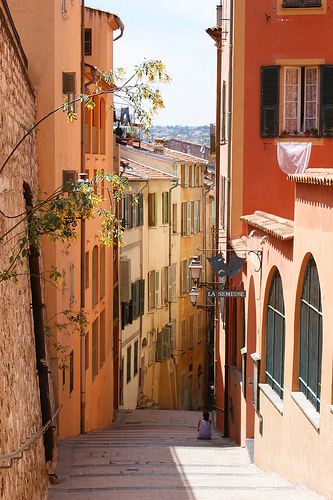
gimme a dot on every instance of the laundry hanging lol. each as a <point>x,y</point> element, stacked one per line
<point>293,157</point>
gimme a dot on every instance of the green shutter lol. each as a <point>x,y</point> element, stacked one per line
<point>142,297</point>
<point>159,346</point>
<point>155,210</point>
<point>270,83</point>
<point>326,100</point>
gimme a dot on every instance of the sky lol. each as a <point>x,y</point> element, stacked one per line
<point>174,32</point>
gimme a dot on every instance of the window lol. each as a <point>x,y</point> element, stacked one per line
<point>275,329</point>
<point>151,348</point>
<point>136,352</point>
<point>94,275</point>
<point>303,100</point>
<point>153,289</point>
<point>86,270</point>
<point>87,42</point>
<point>166,332</point>
<point>101,338</point>
<point>310,342</point>
<point>101,271</point>
<point>94,349</point>
<point>164,285</point>
<point>183,337</point>
<point>191,340</point>
<point>301,3</point>
<point>172,274</point>
<point>300,88</point>
<point>165,207</point>
<point>132,211</point>
<point>174,218</point>
<point>69,87</point>
<point>199,327</point>
<point>129,359</point>
<point>135,307</point>
<point>152,209</point>
<point>159,347</point>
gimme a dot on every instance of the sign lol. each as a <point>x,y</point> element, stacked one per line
<point>225,293</point>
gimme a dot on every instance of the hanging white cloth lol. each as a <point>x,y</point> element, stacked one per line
<point>293,157</point>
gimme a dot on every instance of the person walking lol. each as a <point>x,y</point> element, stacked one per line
<point>205,427</point>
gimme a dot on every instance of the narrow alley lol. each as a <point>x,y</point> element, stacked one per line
<point>154,454</point>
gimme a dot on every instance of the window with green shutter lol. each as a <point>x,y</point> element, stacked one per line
<point>129,360</point>
<point>165,207</point>
<point>269,123</point>
<point>135,361</point>
<point>275,333</point>
<point>152,209</point>
<point>159,347</point>
<point>141,297</point>
<point>166,331</point>
<point>310,341</point>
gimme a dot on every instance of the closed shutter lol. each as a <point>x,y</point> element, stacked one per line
<point>182,276</point>
<point>188,275</point>
<point>186,175</point>
<point>69,82</point>
<point>188,218</point>
<point>173,336</point>
<point>170,284</point>
<point>163,286</point>
<point>326,100</point>
<point>125,279</point>
<point>141,209</point>
<point>173,276</point>
<point>151,290</point>
<point>195,222</point>
<point>166,342</point>
<point>157,288</point>
<point>159,347</point>
<point>184,218</point>
<point>142,297</point>
<point>270,80</point>
<point>126,211</point>
<point>135,289</point>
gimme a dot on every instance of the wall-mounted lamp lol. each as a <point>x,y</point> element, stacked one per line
<point>194,299</point>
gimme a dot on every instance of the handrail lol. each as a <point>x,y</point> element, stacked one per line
<point>218,408</point>
<point>14,455</point>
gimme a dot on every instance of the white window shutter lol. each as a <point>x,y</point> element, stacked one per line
<point>170,283</point>
<point>186,175</point>
<point>188,223</point>
<point>174,277</point>
<point>125,280</point>
<point>157,287</point>
<point>195,224</point>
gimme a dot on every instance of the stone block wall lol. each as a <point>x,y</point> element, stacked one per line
<point>20,409</point>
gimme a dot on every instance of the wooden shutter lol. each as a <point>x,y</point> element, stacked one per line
<point>159,347</point>
<point>142,297</point>
<point>125,279</point>
<point>69,82</point>
<point>326,100</point>
<point>188,218</point>
<point>141,209</point>
<point>163,286</point>
<point>173,277</point>
<point>157,288</point>
<point>151,290</point>
<point>188,275</point>
<point>195,222</point>
<point>135,290</point>
<point>170,284</point>
<point>184,218</point>
<point>270,84</point>
<point>186,175</point>
<point>166,332</point>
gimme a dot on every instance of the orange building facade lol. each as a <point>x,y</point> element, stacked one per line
<point>84,390</point>
<point>274,347</point>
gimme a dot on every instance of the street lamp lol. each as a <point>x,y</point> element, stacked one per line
<point>195,270</point>
<point>194,299</point>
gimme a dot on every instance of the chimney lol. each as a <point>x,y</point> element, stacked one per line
<point>159,146</point>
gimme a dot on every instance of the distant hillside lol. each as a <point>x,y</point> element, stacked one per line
<point>199,135</point>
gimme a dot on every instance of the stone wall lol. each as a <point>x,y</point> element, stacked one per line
<point>20,409</point>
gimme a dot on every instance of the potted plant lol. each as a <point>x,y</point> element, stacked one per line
<point>314,131</point>
<point>307,132</point>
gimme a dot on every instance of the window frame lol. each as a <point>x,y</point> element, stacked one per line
<point>308,366</point>
<point>303,4</point>
<point>275,336</point>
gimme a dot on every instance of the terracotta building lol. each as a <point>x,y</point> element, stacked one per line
<point>84,390</point>
<point>274,349</point>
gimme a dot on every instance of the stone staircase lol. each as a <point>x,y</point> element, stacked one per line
<point>147,404</point>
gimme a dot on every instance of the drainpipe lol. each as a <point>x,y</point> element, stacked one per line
<point>170,262</point>
<point>121,27</point>
<point>82,243</point>
<point>227,325</point>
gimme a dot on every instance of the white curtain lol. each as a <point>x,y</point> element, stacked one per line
<point>293,157</point>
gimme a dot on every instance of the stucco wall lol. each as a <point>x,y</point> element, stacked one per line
<point>20,414</point>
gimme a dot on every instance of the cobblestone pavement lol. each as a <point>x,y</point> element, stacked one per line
<point>154,454</point>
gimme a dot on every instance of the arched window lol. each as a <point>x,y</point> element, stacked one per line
<point>310,336</point>
<point>275,336</point>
